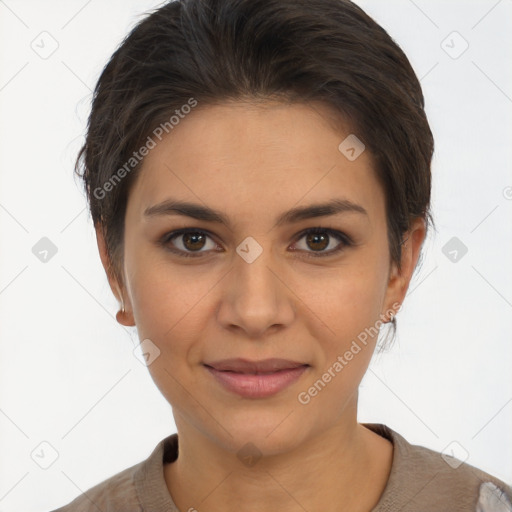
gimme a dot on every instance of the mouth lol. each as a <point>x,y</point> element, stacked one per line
<point>254,367</point>
<point>256,379</point>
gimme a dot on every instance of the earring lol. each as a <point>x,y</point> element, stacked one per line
<point>120,312</point>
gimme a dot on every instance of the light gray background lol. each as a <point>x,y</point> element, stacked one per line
<point>68,372</point>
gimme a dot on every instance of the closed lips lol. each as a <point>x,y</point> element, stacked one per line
<point>254,367</point>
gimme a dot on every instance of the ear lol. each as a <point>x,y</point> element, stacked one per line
<point>117,288</point>
<point>399,280</point>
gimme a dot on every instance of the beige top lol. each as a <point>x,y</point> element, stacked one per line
<point>421,480</point>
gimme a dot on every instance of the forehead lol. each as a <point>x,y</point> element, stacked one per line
<point>244,157</point>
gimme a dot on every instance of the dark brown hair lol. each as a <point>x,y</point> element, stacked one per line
<point>210,51</point>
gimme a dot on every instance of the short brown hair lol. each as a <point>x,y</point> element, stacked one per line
<point>217,50</point>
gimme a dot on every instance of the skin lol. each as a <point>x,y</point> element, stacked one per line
<point>253,162</point>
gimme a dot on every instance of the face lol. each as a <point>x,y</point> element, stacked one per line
<point>258,285</point>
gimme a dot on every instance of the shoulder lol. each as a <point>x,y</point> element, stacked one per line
<point>444,480</point>
<point>135,489</point>
<point>116,493</point>
<point>423,479</point>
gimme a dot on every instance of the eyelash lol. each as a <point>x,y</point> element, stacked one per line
<point>345,241</point>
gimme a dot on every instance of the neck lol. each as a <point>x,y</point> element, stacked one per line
<point>347,464</point>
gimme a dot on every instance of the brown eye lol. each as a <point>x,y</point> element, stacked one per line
<point>187,242</point>
<point>193,241</point>
<point>317,240</point>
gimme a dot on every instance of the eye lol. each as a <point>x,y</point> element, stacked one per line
<point>319,239</point>
<point>191,242</point>
<point>188,242</point>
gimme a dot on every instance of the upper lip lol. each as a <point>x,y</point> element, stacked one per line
<point>240,365</point>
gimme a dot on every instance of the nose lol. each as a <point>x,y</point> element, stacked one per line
<point>255,297</point>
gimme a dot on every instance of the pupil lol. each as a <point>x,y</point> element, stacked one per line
<point>194,237</point>
<point>315,238</point>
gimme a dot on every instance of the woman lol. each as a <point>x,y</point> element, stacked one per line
<point>258,174</point>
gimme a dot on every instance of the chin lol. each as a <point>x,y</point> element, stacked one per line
<point>267,433</point>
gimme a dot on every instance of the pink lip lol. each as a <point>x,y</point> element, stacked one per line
<point>246,379</point>
<point>241,365</point>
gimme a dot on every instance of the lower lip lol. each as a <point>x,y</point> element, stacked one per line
<point>257,386</point>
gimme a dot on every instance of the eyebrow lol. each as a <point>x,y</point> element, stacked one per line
<point>204,213</point>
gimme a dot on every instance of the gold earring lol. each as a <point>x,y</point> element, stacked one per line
<point>120,313</point>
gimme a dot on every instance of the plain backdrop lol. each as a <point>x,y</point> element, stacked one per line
<point>77,406</point>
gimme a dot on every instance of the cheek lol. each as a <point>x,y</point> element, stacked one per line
<point>169,309</point>
<point>345,326</point>
<point>344,302</point>
<point>168,301</point>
